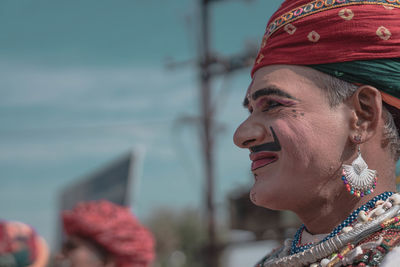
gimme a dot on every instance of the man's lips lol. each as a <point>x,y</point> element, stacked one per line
<point>261,159</point>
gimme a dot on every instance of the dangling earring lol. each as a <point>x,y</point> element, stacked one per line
<point>359,180</point>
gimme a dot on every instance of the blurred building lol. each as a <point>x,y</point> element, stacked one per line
<point>255,231</point>
<point>263,223</point>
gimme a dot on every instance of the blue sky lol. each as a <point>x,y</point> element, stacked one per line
<point>82,82</point>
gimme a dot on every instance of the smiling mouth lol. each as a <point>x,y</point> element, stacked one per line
<point>262,159</point>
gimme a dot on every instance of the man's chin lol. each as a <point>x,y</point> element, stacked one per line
<point>270,199</point>
<point>262,198</point>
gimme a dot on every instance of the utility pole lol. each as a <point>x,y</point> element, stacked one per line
<point>206,61</point>
<point>211,257</point>
<point>210,65</point>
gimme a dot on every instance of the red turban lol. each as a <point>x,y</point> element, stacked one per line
<point>304,32</point>
<point>115,229</point>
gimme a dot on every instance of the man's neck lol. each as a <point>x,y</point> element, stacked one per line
<point>333,210</point>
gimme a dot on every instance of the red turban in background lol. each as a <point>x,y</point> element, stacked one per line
<point>20,245</point>
<point>115,229</point>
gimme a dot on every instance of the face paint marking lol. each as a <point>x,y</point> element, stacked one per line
<point>294,111</point>
<point>271,146</point>
<point>302,114</point>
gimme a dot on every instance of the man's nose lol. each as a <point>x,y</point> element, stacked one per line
<point>248,134</point>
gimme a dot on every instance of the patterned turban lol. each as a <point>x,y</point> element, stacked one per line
<point>114,228</point>
<point>354,40</point>
<point>21,246</point>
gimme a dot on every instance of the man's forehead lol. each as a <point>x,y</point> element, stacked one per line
<point>249,88</point>
<point>262,79</point>
<point>286,81</point>
<point>247,96</point>
<point>284,77</point>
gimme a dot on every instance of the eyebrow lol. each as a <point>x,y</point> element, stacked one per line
<point>272,90</point>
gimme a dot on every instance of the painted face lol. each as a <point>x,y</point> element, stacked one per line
<point>296,140</point>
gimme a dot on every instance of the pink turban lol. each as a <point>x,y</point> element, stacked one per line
<point>115,229</point>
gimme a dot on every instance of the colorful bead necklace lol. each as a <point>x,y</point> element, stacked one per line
<point>297,247</point>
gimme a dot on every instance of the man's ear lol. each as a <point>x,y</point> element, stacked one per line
<point>366,103</point>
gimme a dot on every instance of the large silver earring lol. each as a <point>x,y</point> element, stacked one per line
<point>359,180</point>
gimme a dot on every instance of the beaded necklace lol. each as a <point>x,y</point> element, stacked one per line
<point>297,247</point>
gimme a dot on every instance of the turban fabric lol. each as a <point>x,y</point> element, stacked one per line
<point>114,228</point>
<point>21,246</point>
<point>355,40</point>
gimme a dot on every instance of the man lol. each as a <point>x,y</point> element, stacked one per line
<point>323,130</point>
<point>103,234</point>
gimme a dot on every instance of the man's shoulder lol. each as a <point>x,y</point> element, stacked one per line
<point>380,248</point>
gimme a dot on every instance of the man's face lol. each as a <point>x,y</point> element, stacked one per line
<point>295,138</point>
<point>80,253</point>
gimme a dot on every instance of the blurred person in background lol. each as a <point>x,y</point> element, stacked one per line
<point>323,130</point>
<point>21,246</point>
<point>101,233</point>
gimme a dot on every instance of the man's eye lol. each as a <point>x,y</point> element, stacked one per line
<point>271,104</point>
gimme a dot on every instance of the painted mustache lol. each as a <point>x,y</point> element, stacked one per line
<point>271,146</point>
